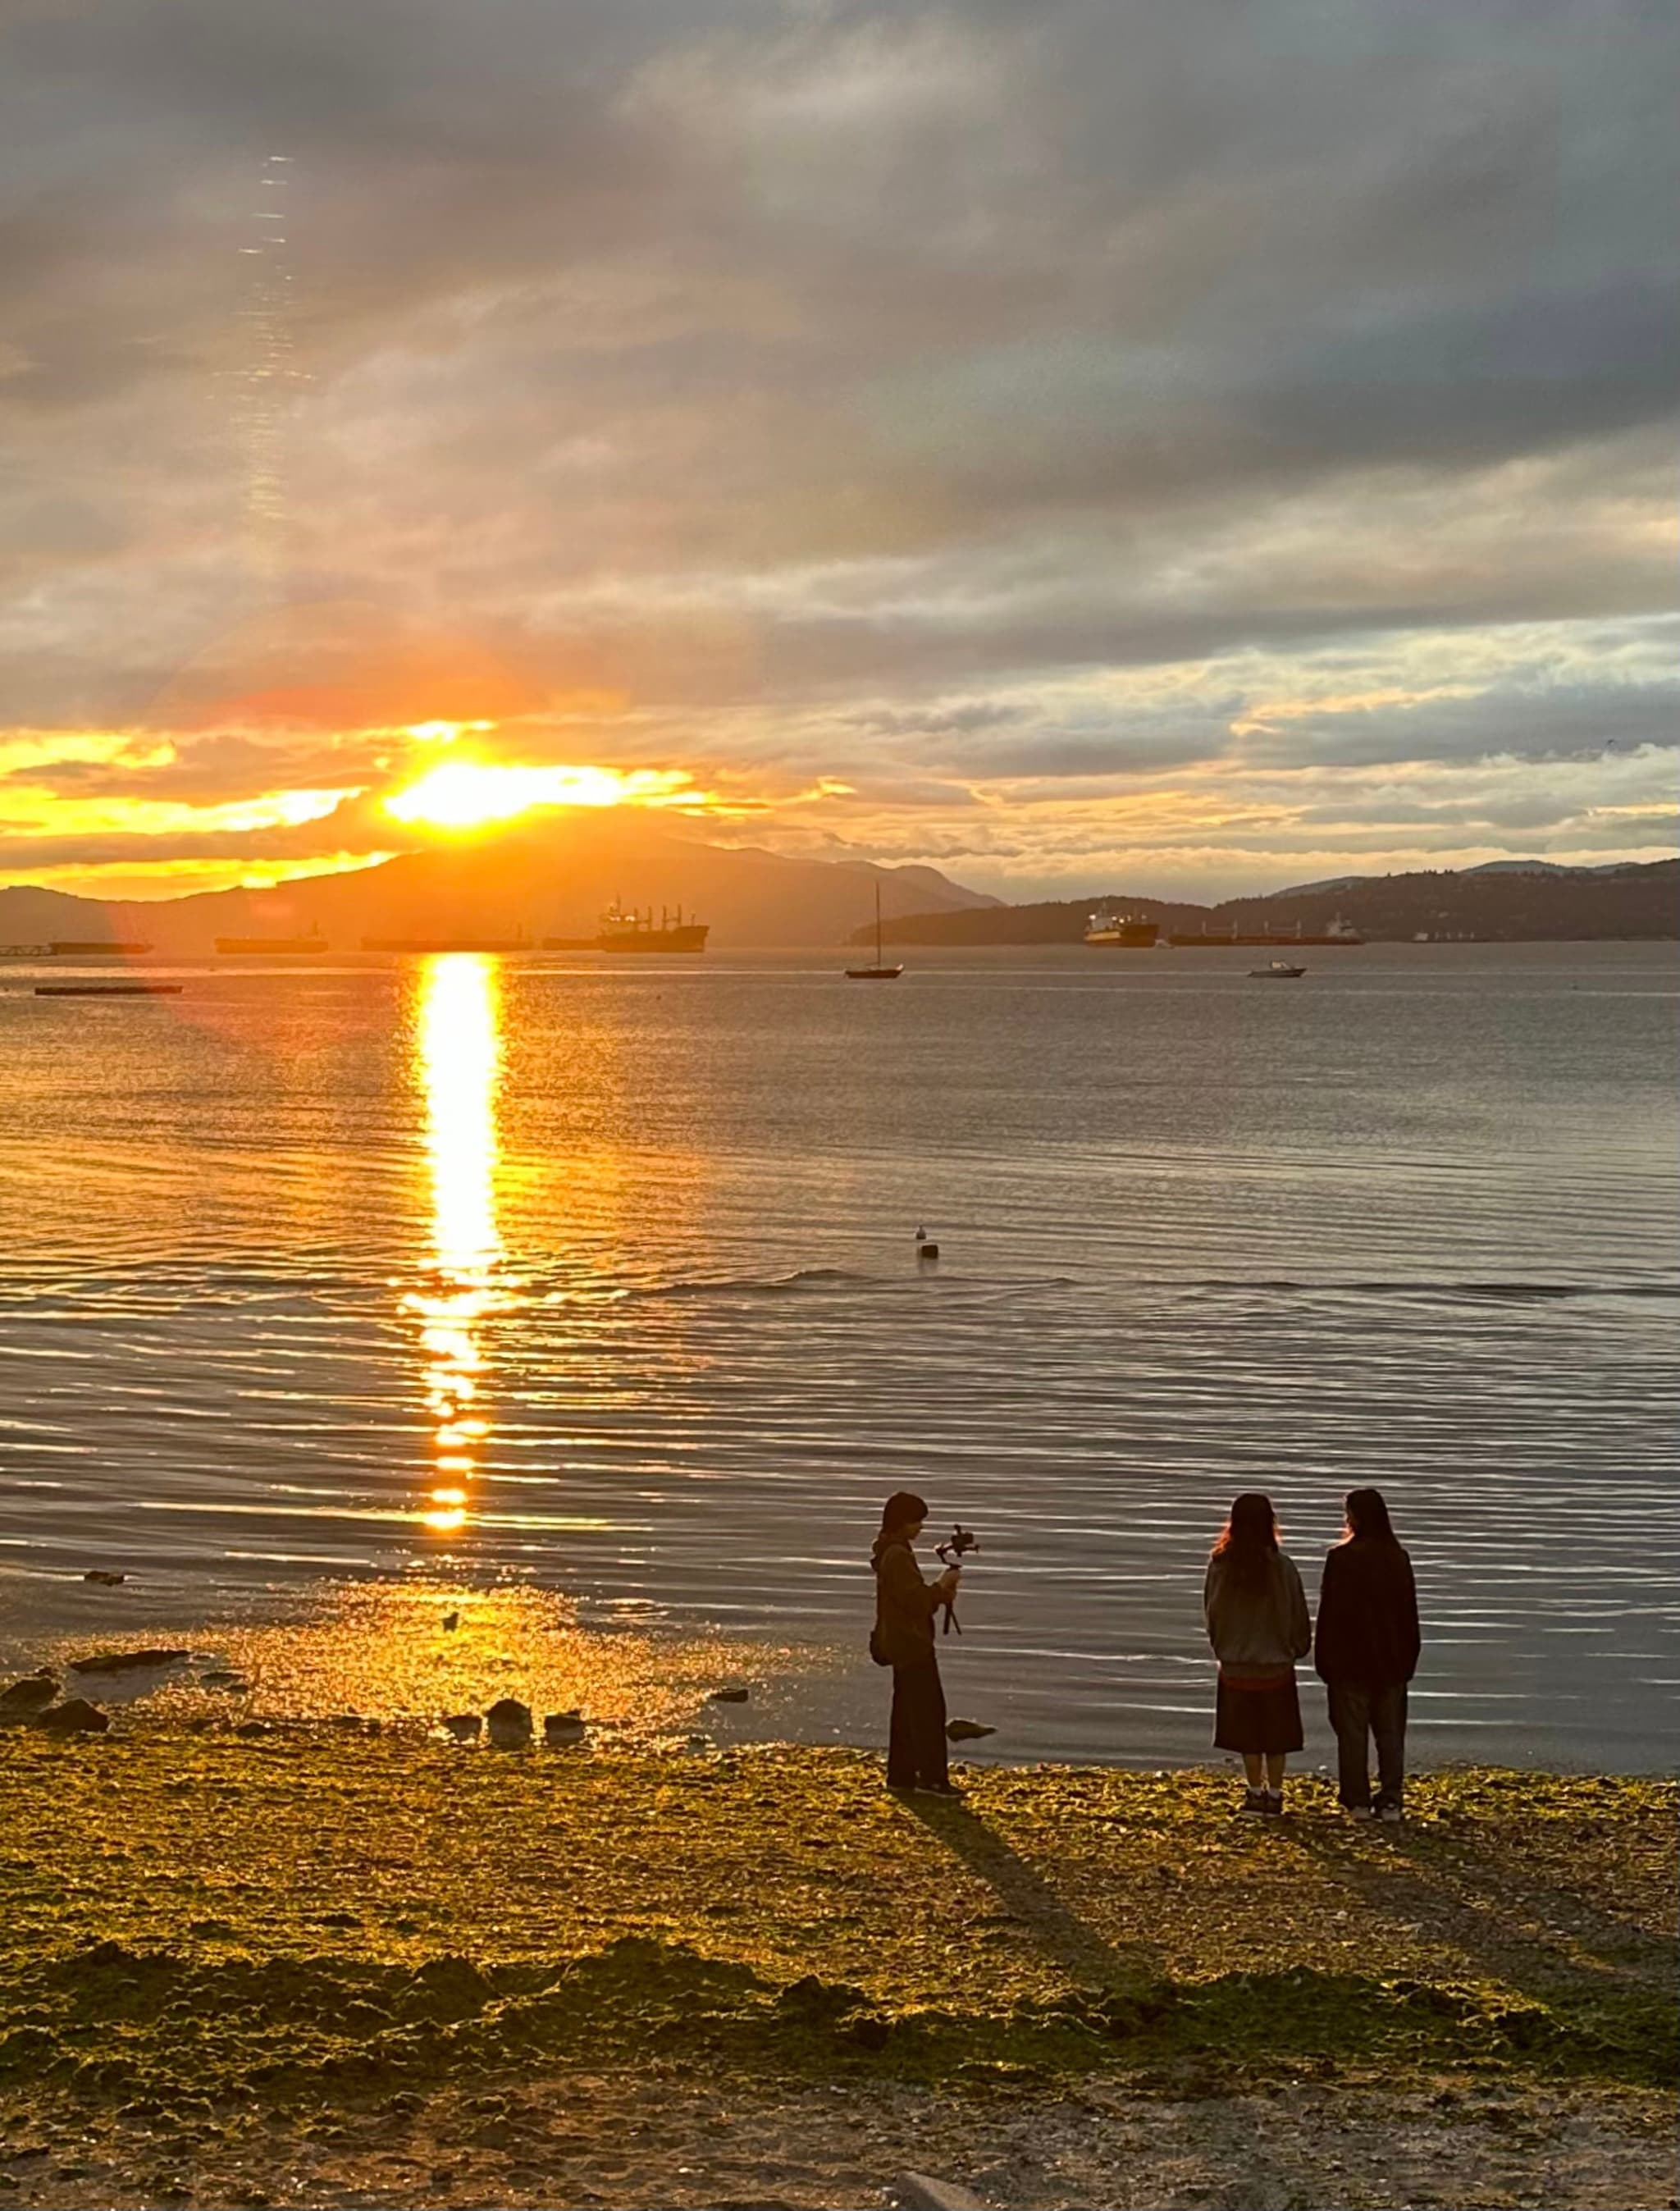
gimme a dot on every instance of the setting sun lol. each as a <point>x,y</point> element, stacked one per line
<point>466,794</point>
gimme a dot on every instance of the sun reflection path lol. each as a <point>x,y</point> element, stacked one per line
<point>459,1054</point>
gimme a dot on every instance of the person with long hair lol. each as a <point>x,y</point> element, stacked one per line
<point>1256,1614</point>
<point>1366,1653</point>
<point>906,1603</point>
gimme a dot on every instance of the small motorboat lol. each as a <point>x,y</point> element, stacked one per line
<point>882,971</point>
<point>1276,971</point>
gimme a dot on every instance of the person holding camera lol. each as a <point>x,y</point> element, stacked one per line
<point>903,1639</point>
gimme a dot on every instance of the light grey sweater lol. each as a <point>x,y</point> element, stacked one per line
<point>1260,1631</point>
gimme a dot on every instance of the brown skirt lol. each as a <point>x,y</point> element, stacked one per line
<point>1262,1720</point>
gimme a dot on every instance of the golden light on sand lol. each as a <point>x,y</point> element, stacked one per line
<point>458,1052</point>
<point>461,794</point>
<point>380,1649</point>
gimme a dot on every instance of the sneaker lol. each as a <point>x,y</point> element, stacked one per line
<point>1254,1800</point>
<point>1359,1811</point>
<point>1271,1801</point>
<point>1390,1814</point>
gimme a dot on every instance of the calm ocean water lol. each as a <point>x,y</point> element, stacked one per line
<point>602,1279</point>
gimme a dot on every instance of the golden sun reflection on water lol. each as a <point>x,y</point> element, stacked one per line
<point>458,1054</point>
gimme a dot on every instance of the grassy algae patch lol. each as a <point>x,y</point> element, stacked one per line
<point>307,1912</point>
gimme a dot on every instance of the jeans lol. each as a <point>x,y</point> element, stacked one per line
<point>916,1753</point>
<point>1359,1710</point>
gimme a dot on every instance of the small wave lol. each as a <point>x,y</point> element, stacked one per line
<point>755,1286</point>
<point>982,1288</point>
<point>1514,1292</point>
<point>1518,1293</point>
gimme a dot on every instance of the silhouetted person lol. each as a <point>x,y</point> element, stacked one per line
<point>906,1603</point>
<point>1256,1614</point>
<point>1366,1651</point>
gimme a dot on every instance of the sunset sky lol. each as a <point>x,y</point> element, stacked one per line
<point>1175,447</point>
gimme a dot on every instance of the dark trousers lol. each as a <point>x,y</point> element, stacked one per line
<point>1359,1710</point>
<point>916,1749</point>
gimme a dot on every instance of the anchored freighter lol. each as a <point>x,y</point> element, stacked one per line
<point>1122,932</point>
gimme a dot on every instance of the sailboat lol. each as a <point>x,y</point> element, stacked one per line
<point>881,972</point>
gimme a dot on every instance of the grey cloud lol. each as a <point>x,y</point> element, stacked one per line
<point>1460,815</point>
<point>1109,755</point>
<point>1054,303</point>
<point>935,721</point>
<point>1560,721</point>
<point>907,792</point>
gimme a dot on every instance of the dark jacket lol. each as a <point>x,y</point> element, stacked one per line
<point>1368,1615</point>
<point>1258,1631</point>
<point>904,1603</point>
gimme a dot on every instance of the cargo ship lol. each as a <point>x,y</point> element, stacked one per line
<point>624,928</point>
<point>1338,932</point>
<point>1123,932</point>
<point>95,949</point>
<point>232,948</point>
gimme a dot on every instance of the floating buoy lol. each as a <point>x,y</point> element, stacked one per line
<point>925,1248</point>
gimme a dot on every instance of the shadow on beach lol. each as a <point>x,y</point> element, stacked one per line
<point>1513,1925</point>
<point>1031,1901</point>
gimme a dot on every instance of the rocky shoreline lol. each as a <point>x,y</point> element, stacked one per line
<point>309,1964</point>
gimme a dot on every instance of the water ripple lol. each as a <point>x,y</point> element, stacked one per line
<point>643,1296</point>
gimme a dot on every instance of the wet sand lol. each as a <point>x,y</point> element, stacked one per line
<point>309,1965</point>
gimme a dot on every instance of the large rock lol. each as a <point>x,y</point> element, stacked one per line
<point>561,1729</point>
<point>509,1723</point>
<point>23,1699</point>
<point>75,1716</point>
<point>923,2192</point>
<point>465,1727</point>
<point>128,1661</point>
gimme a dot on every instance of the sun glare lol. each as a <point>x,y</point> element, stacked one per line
<point>442,733</point>
<point>466,794</point>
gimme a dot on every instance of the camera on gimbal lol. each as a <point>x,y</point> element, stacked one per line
<point>951,1553</point>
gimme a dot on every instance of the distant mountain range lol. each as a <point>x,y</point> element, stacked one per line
<point>1487,868</point>
<point>1501,903</point>
<point>554,881</point>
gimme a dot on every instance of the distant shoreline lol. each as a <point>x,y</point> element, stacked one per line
<point>23,962</point>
